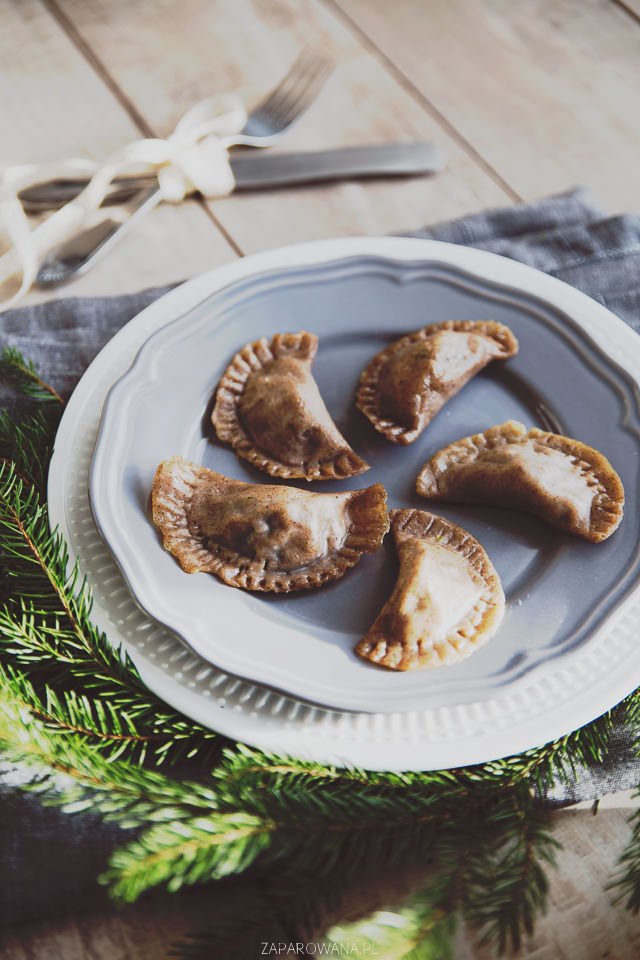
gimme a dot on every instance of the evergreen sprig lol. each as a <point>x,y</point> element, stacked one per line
<point>251,776</point>
<point>471,860</point>
<point>23,374</point>
<point>626,882</point>
<point>74,711</point>
<point>510,884</point>
<point>417,930</point>
<point>182,852</point>
<point>47,641</point>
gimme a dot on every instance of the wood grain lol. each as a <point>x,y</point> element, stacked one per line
<point>55,106</point>
<point>631,6</point>
<point>51,101</point>
<point>545,90</point>
<point>178,52</point>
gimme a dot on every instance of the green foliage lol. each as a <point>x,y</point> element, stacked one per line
<point>24,376</point>
<point>417,930</point>
<point>28,445</point>
<point>66,774</point>
<point>248,776</point>
<point>475,842</point>
<point>627,880</point>
<point>481,859</point>
<point>61,667</point>
<point>181,852</point>
<point>510,884</point>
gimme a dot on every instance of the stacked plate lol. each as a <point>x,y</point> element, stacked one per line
<point>279,672</point>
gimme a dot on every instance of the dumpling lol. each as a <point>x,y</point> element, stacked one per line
<point>447,601</point>
<point>269,408</point>
<point>405,384</point>
<point>264,537</point>
<point>563,481</point>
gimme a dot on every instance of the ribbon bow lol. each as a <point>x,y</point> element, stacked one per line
<point>193,158</point>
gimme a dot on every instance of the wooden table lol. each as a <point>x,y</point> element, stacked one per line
<point>527,99</point>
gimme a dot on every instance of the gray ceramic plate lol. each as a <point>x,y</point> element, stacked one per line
<point>560,590</point>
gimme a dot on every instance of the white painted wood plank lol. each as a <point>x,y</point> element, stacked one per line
<point>52,105</point>
<point>165,57</point>
<point>545,90</point>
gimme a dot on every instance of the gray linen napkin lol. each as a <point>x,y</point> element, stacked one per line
<point>563,235</point>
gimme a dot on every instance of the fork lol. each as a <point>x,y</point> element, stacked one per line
<point>265,124</point>
<point>280,108</point>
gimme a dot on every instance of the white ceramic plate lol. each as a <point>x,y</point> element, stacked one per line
<point>560,590</point>
<point>373,290</point>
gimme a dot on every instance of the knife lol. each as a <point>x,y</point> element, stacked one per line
<point>268,171</point>
<point>76,255</point>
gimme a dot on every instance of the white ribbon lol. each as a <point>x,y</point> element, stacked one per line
<point>193,158</point>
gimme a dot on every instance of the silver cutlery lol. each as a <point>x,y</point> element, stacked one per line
<point>286,102</point>
<point>265,124</point>
<point>252,173</point>
<point>268,172</point>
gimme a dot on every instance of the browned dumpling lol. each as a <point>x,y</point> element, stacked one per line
<point>264,537</point>
<point>447,601</point>
<point>406,384</point>
<point>563,481</point>
<point>269,408</point>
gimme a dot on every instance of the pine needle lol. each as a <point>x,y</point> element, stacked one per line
<point>23,375</point>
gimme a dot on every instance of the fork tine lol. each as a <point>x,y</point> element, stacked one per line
<point>299,98</point>
<point>291,76</point>
<point>295,92</point>
<point>290,80</point>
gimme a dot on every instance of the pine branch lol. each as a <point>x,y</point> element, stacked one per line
<point>626,882</point>
<point>28,444</point>
<point>627,716</point>
<point>262,780</point>
<point>415,931</point>
<point>36,557</point>
<point>96,724</point>
<point>292,907</point>
<point>304,850</point>
<point>337,839</point>
<point>24,376</point>
<point>78,779</point>
<point>46,633</point>
<point>187,852</point>
<point>464,855</point>
<point>510,885</point>
<point>116,718</point>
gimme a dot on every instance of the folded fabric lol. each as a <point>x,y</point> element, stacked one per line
<point>564,235</point>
